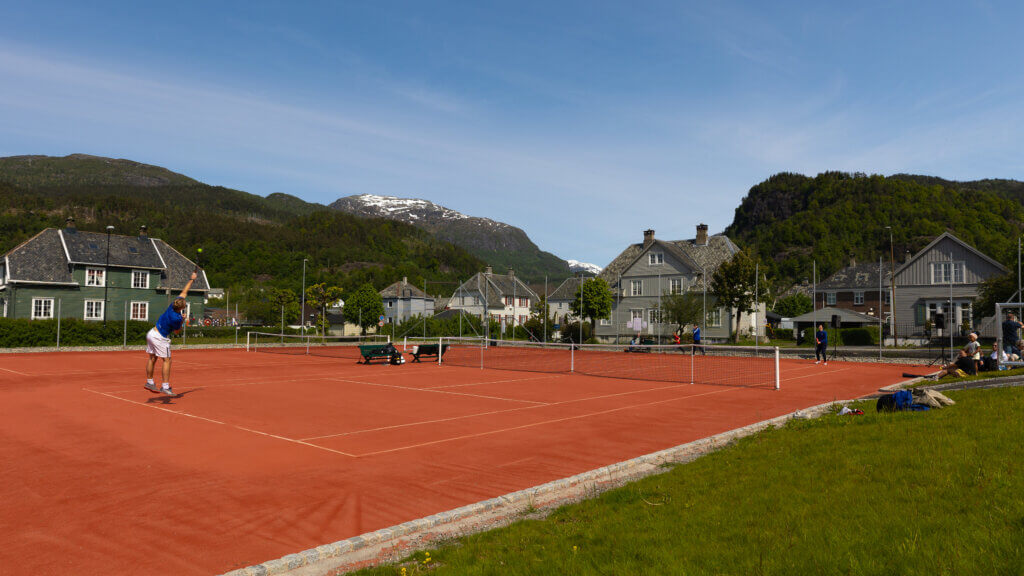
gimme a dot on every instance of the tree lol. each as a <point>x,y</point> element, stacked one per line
<point>593,300</point>
<point>682,309</point>
<point>320,297</point>
<point>363,307</point>
<point>793,305</point>
<point>733,286</point>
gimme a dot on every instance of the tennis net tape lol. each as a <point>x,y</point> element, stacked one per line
<point>685,363</point>
<point>310,344</point>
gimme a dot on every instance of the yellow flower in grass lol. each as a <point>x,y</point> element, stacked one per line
<point>575,549</point>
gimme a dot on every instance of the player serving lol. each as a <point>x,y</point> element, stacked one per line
<point>158,340</point>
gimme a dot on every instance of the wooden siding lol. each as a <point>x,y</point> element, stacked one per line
<point>919,273</point>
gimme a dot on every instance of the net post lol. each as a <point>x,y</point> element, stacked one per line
<point>247,335</point>
<point>440,349</point>
<point>572,353</point>
<point>693,360</point>
<point>777,375</point>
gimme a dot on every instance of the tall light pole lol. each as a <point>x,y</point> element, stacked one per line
<point>302,306</point>
<point>106,275</point>
<point>892,285</point>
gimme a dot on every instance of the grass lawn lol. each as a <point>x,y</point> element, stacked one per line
<point>938,492</point>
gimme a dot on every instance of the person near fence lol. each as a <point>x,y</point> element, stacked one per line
<point>1011,334</point>
<point>821,345</point>
<point>696,340</point>
<point>158,340</point>
<point>997,357</point>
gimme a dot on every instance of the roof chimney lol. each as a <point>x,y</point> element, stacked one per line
<point>853,260</point>
<point>143,233</point>
<point>405,280</point>
<point>648,238</point>
<point>702,235</point>
<point>71,224</point>
<point>488,271</point>
<point>511,273</point>
<point>907,255</point>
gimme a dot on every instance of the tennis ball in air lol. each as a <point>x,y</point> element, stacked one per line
<point>200,250</point>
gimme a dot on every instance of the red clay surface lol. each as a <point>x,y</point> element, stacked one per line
<point>265,455</point>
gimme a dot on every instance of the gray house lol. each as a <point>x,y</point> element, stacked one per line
<point>643,272</point>
<point>942,278</point>
<point>502,297</point>
<point>402,301</point>
<point>95,276</point>
<point>561,299</point>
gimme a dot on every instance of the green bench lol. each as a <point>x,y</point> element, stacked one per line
<point>373,351</point>
<point>434,350</point>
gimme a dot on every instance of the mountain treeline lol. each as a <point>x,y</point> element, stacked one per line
<point>790,220</point>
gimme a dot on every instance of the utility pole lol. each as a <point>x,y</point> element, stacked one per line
<point>106,276</point>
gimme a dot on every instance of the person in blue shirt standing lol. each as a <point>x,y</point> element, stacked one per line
<point>158,340</point>
<point>821,345</point>
<point>696,340</point>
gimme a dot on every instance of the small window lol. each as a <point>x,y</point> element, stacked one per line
<point>140,279</point>
<point>604,322</point>
<point>636,313</point>
<point>888,297</point>
<point>42,308</point>
<point>715,317</point>
<point>858,298</point>
<point>675,286</point>
<point>656,258</point>
<point>133,249</point>
<point>93,310</point>
<point>95,277</point>
<point>391,303</point>
<point>830,298</point>
<point>653,317</point>
<point>140,311</point>
<point>636,287</point>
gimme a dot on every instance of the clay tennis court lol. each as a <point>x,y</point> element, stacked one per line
<point>263,455</point>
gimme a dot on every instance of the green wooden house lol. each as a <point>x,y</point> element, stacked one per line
<point>99,277</point>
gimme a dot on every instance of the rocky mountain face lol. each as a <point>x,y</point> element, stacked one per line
<point>500,245</point>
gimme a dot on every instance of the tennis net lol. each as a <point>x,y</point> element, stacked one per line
<point>707,364</point>
<point>310,344</point>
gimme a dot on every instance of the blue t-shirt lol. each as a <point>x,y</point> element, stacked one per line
<point>696,335</point>
<point>822,337</point>
<point>170,321</point>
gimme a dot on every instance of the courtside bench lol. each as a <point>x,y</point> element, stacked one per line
<point>372,351</point>
<point>429,350</point>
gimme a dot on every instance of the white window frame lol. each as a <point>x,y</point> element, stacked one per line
<point>715,317</point>
<point>653,317</point>
<point>656,258</point>
<point>134,316</point>
<point>636,287</point>
<point>675,285</point>
<point>145,278</point>
<point>604,322</point>
<point>103,277</point>
<point>940,272</point>
<point>635,313</point>
<point>830,298</point>
<point>41,300</point>
<point>391,303</point>
<point>858,298</point>
<point>85,309</point>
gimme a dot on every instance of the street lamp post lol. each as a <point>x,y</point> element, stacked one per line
<point>892,286</point>
<point>106,275</point>
<point>302,306</point>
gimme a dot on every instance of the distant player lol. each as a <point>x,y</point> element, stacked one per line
<point>696,340</point>
<point>821,345</point>
<point>158,340</point>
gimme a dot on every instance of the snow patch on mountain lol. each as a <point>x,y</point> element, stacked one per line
<point>414,208</point>
<point>577,266</point>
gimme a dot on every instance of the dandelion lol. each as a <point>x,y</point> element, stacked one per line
<point>575,549</point>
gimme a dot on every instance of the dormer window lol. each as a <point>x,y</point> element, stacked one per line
<point>862,277</point>
<point>656,258</point>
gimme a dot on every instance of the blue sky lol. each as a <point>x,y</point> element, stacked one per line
<point>583,123</point>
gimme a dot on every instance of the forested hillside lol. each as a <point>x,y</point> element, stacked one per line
<point>791,219</point>
<point>249,243</point>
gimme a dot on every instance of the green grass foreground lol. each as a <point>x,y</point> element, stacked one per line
<point>938,492</point>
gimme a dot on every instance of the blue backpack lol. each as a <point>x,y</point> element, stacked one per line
<point>899,401</point>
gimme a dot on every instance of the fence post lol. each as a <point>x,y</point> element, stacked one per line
<point>777,374</point>
<point>125,344</point>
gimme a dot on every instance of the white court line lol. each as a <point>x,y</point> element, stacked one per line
<point>519,408</point>
<point>556,420</point>
<point>182,413</point>
<point>437,391</point>
<point>545,377</point>
<point>15,372</point>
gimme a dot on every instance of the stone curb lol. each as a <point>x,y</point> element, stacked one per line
<point>396,542</point>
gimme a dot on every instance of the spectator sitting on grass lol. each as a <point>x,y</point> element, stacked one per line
<point>963,363</point>
<point>997,357</point>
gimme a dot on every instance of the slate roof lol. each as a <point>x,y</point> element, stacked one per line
<point>39,259</point>
<point>862,276</point>
<point>566,290</point>
<point>719,249</point>
<point>453,313</point>
<point>495,286</point>
<point>824,316</point>
<point>402,289</point>
<point>125,251</point>
<point>47,258</point>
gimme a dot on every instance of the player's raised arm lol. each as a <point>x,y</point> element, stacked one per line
<point>184,291</point>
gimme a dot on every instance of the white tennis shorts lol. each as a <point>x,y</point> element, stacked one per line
<point>157,344</point>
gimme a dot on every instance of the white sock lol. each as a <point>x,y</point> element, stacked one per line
<point>149,380</point>
<point>166,385</point>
